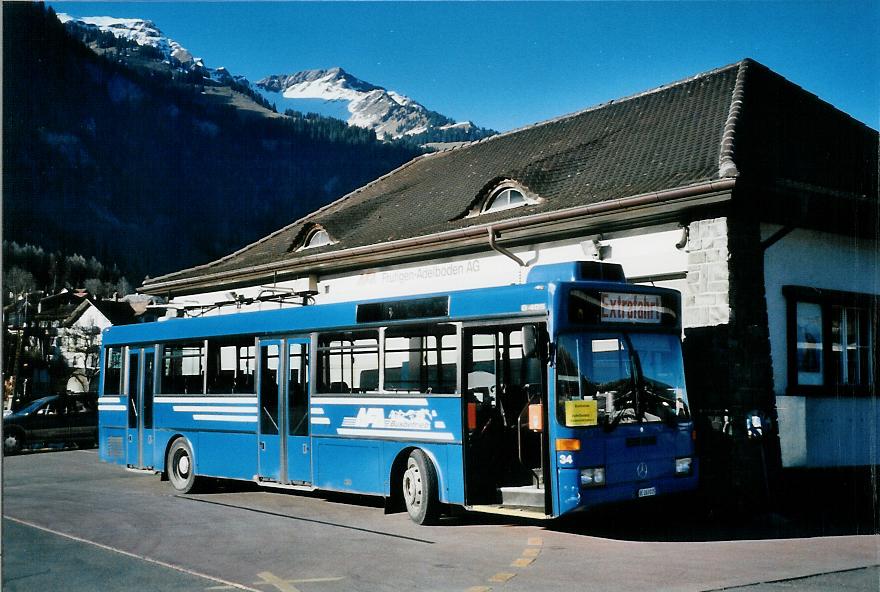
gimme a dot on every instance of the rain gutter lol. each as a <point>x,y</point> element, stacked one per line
<point>499,249</point>
<point>337,259</point>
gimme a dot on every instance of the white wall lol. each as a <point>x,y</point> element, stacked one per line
<point>819,431</point>
<point>647,254</point>
<point>92,320</point>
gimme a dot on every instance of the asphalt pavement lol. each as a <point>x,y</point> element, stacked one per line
<point>73,523</point>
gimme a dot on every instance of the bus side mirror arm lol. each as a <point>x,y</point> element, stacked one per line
<point>534,343</point>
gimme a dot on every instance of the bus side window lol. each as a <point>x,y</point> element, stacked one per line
<point>231,366</point>
<point>498,371</point>
<point>421,359</point>
<point>348,362</point>
<point>269,358</point>
<point>113,371</point>
<point>183,369</point>
<point>298,389</point>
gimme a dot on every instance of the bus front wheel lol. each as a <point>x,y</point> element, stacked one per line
<point>179,465</point>
<point>419,484</point>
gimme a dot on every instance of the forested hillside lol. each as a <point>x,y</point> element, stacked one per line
<point>28,268</point>
<point>136,168</point>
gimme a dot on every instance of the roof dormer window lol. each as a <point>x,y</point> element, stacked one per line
<point>507,197</point>
<point>318,237</point>
<point>504,200</point>
<point>499,195</point>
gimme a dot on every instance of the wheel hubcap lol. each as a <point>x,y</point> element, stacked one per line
<point>412,486</point>
<point>183,465</point>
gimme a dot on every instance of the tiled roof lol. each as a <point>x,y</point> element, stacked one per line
<point>118,313</point>
<point>735,121</point>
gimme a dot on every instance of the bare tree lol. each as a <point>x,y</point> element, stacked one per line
<point>123,288</point>
<point>81,350</point>
<point>19,282</point>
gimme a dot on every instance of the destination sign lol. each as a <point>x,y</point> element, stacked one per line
<point>620,307</point>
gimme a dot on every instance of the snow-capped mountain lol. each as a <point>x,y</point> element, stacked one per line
<point>171,54</point>
<point>385,111</point>
<point>140,31</point>
<point>388,113</point>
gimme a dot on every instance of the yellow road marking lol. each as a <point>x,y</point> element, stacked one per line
<point>282,585</point>
<point>268,577</point>
<point>502,577</point>
<point>529,555</point>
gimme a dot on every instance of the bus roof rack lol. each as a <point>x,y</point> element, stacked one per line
<point>577,271</point>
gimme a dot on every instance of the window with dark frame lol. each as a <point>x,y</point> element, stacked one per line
<point>421,359</point>
<point>231,366</point>
<point>298,389</point>
<point>183,369</point>
<point>113,371</point>
<point>495,362</point>
<point>831,341</point>
<point>348,362</point>
<point>132,389</point>
<point>269,367</point>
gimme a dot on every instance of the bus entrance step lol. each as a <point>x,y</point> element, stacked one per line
<point>525,496</point>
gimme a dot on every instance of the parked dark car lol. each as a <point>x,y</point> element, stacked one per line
<point>56,419</point>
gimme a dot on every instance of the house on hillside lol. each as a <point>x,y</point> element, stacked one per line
<point>60,338</point>
<point>750,195</point>
<point>78,340</point>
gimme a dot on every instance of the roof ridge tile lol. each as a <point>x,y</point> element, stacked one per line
<point>638,95</point>
<point>726,157</point>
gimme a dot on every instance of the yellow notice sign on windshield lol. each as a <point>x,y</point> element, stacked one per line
<point>581,413</point>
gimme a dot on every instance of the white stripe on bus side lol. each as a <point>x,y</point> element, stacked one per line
<point>230,400</point>
<point>111,408</point>
<point>410,402</point>
<point>395,434</point>
<point>215,409</point>
<point>238,418</point>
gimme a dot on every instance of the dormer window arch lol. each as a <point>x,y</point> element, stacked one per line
<point>316,236</point>
<point>504,195</point>
<point>505,199</point>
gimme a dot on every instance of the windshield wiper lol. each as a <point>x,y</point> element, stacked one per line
<point>665,405</point>
<point>641,393</point>
<point>628,395</point>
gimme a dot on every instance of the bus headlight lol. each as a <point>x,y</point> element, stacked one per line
<point>593,477</point>
<point>683,466</point>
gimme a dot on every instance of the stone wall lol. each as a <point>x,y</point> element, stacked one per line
<point>727,359</point>
<point>706,298</point>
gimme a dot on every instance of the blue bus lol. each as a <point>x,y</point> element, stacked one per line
<point>539,399</point>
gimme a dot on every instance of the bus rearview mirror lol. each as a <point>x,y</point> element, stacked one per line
<point>531,341</point>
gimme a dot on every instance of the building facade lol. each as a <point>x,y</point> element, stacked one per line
<point>751,196</point>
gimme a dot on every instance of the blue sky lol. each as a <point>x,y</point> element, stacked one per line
<point>504,65</point>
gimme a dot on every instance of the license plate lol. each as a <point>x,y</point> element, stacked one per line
<point>647,491</point>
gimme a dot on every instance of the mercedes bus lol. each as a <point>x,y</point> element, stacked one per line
<point>538,399</point>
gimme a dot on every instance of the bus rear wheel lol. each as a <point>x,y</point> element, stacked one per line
<point>179,465</point>
<point>419,484</point>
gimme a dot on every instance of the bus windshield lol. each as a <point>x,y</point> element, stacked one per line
<point>619,377</point>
